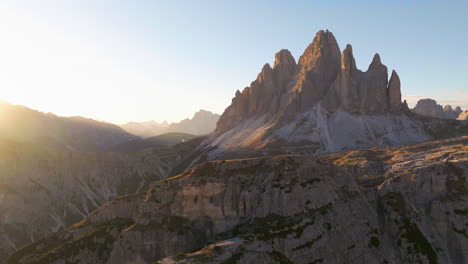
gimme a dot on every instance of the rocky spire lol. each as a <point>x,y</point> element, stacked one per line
<point>376,64</point>
<point>323,75</point>
<point>284,68</point>
<point>458,110</point>
<point>347,59</point>
<point>450,113</point>
<point>319,66</point>
<point>448,108</point>
<point>394,92</point>
<point>323,48</point>
<point>265,74</point>
<point>284,57</point>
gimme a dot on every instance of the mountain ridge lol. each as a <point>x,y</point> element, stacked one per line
<point>203,122</point>
<point>430,107</point>
<point>24,124</point>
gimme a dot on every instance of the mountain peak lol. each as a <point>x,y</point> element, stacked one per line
<point>347,59</point>
<point>203,114</point>
<point>266,68</point>
<point>323,77</point>
<point>376,63</point>
<point>394,92</point>
<point>284,56</point>
<point>323,45</point>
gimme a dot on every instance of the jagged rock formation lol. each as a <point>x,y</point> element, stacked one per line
<point>429,107</point>
<point>43,190</point>
<point>451,113</point>
<point>202,123</point>
<point>23,124</point>
<point>322,76</point>
<point>322,104</point>
<point>381,205</point>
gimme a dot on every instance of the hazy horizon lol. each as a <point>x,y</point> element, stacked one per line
<point>119,61</point>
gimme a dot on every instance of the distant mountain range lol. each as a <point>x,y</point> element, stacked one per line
<point>161,141</point>
<point>430,107</point>
<point>202,123</point>
<point>145,129</point>
<point>22,124</point>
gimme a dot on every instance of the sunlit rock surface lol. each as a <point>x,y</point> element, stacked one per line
<point>43,190</point>
<point>380,205</point>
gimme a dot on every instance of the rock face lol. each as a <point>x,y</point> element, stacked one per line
<point>322,104</point>
<point>429,107</point>
<point>382,205</point>
<point>43,190</point>
<point>394,92</point>
<point>322,76</point>
<point>202,123</point>
<point>23,124</point>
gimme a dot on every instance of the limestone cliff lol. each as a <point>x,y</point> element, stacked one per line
<point>381,205</point>
<point>43,190</point>
<point>322,76</point>
<point>321,104</point>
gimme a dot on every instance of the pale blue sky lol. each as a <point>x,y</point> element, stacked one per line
<point>138,60</point>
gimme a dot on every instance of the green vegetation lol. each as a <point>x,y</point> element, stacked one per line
<point>98,240</point>
<point>276,226</point>
<point>308,244</point>
<point>5,188</point>
<point>317,261</point>
<point>374,242</point>
<point>460,231</point>
<point>180,256</point>
<point>279,257</point>
<point>174,224</point>
<point>235,257</point>
<point>419,242</point>
<point>345,194</point>
<point>408,230</point>
<point>455,183</point>
<point>310,182</point>
<point>461,212</point>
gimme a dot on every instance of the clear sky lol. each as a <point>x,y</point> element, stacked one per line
<point>139,60</point>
